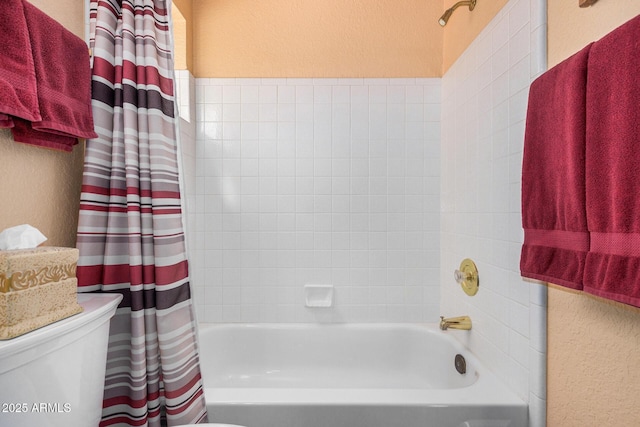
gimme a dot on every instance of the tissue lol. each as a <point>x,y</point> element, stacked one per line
<point>21,237</point>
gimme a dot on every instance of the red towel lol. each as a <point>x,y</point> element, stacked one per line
<point>5,121</point>
<point>61,61</point>
<point>23,132</point>
<point>18,94</point>
<point>612,267</point>
<point>556,240</point>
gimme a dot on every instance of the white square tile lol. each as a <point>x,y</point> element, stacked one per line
<point>212,94</point>
<point>267,167</point>
<point>249,130</point>
<point>359,222</point>
<point>267,130</point>
<point>249,148</point>
<point>287,132</point>
<point>359,94</point>
<point>340,222</point>
<point>414,95</point>
<point>519,15</point>
<point>500,33</point>
<point>304,94</point>
<point>519,45</point>
<point>305,204</point>
<point>287,94</point>
<point>304,151</point>
<point>268,112</point>
<point>322,149</point>
<point>304,131</point>
<point>268,204</point>
<point>359,259</point>
<point>231,94</point>
<point>322,222</point>
<point>340,185</point>
<point>286,112</point>
<point>378,148</point>
<point>377,94</point>
<point>414,112</point>
<point>212,112</point>
<point>396,94</point>
<point>518,106</point>
<point>341,94</point>
<point>267,94</point>
<point>304,113</point>
<point>304,240</point>
<point>287,204</point>
<point>304,185</point>
<point>322,94</point>
<point>360,147</point>
<point>321,204</point>
<point>433,94</point>
<point>249,94</point>
<point>322,186</point>
<point>249,185</point>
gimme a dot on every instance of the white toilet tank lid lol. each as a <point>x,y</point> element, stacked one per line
<point>97,308</point>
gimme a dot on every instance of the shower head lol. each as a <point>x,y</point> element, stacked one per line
<point>447,13</point>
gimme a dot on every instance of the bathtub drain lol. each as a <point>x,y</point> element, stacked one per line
<point>461,364</point>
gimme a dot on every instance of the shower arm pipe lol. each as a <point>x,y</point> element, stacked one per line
<point>587,3</point>
<point>447,13</point>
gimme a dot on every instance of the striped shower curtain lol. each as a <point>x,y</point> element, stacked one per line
<point>130,233</point>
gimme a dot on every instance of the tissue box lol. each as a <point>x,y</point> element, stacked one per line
<point>37,287</point>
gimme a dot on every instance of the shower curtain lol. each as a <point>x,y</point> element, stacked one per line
<point>130,232</point>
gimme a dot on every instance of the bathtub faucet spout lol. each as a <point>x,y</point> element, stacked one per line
<point>461,322</point>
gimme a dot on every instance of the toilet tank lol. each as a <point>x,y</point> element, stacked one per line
<point>54,376</point>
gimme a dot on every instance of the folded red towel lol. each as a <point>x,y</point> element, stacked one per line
<point>61,61</point>
<point>23,132</point>
<point>5,121</point>
<point>18,94</point>
<point>556,240</point>
<point>612,267</point>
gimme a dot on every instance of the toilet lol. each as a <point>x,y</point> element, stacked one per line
<point>54,375</point>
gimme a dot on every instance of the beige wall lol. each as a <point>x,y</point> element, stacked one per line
<point>311,38</point>
<point>571,27</point>
<point>594,345</point>
<point>332,38</point>
<point>183,34</point>
<point>38,186</point>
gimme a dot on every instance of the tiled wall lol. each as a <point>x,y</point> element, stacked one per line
<point>483,117</point>
<point>185,98</point>
<point>317,181</point>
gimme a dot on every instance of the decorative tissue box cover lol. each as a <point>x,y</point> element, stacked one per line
<point>37,287</point>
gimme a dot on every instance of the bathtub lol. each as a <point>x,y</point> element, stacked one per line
<point>349,375</point>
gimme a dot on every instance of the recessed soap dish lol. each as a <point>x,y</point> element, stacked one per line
<point>318,296</point>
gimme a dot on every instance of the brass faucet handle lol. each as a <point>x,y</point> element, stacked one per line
<point>461,276</point>
<point>467,276</point>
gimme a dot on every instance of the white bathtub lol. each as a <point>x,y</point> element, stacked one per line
<point>348,375</point>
